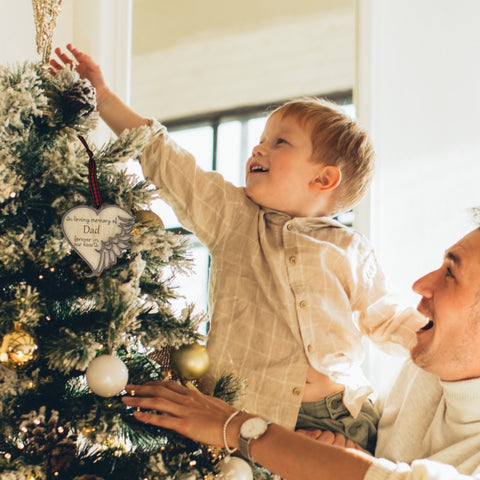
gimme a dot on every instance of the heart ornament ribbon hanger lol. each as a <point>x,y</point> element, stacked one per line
<point>99,234</point>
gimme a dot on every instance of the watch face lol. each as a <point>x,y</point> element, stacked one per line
<point>253,427</point>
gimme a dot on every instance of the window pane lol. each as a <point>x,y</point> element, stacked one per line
<point>199,142</point>
<point>165,212</point>
<point>255,129</point>
<point>192,287</point>
<point>231,157</point>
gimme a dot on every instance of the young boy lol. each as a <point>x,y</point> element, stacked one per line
<point>291,290</point>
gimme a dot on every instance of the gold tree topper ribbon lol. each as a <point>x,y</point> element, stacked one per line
<point>45,13</point>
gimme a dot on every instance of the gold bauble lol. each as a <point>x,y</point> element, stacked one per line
<point>19,349</point>
<point>190,362</point>
<point>148,219</point>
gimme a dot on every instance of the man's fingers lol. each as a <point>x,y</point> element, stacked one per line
<point>163,421</point>
<point>166,397</point>
<point>152,403</point>
<point>310,433</point>
<point>340,440</point>
<point>328,437</point>
<point>157,388</point>
<point>351,444</point>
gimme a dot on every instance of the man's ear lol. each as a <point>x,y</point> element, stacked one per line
<point>327,178</point>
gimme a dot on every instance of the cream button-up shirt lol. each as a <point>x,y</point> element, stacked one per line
<point>284,293</point>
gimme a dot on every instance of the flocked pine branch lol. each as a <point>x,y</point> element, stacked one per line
<point>52,425</point>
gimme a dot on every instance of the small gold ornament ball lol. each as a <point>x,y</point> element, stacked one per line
<point>148,218</point>
<point>190,361</point>
<point>19,349</point>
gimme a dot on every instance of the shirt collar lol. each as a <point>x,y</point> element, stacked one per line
<point>462,399</point>
<point>303,223</point>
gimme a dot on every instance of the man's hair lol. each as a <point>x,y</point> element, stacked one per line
<point>476,215</point>
<point>336,140</point>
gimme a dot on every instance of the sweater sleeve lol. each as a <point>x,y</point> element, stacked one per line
<point>202,200</point>
<point>383,469</point>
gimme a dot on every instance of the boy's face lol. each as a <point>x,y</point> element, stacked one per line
<point>280,169</point>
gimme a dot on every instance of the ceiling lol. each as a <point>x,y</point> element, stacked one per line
<point>160,24</point>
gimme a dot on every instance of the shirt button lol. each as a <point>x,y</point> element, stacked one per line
<point>310,348</point>
<point>289,226</point>
<point>303,304</point>
<point>297,391</point>
<point>293,259</point>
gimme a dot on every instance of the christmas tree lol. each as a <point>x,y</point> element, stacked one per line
<point>59,316</point>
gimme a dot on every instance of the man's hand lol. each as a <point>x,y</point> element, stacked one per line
<point>170,405</point>
<point>330,438</point>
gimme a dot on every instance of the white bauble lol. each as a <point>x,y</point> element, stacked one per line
<point>235,468</point>
<point>107,375</point>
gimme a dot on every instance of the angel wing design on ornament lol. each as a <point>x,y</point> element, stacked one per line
<point>113,247</point>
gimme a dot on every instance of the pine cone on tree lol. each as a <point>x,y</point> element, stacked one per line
<point>48,437</point>
<point>62,455</point>
<point>78,99</point>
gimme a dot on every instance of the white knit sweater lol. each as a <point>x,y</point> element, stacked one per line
<point>429,429</point>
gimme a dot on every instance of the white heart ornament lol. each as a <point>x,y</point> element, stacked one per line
<point>98,236</point>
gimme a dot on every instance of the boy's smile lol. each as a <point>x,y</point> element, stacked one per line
<point>256,167</point>
<point>280,170</point>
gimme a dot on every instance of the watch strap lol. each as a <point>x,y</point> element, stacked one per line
<point>244,447</point>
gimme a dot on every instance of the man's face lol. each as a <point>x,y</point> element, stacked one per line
<point>449,346</point>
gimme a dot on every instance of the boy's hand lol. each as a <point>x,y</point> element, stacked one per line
<point>83,64</point>
<point>116,114</point>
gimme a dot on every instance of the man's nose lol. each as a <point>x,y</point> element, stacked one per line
<point>424,286</point>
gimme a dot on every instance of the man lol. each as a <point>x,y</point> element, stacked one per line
<point>430,421</point>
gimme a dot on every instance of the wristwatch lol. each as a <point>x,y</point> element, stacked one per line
<point>251,429</point>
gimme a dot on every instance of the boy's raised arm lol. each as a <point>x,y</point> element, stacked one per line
<point>116,114</point>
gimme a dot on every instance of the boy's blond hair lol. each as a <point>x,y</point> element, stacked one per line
<point>336,140</point>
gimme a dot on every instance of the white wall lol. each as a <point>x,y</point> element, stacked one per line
<point>17,30</point>
<point>418,93</point>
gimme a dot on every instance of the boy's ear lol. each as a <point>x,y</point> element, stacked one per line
<point>327,178</point>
